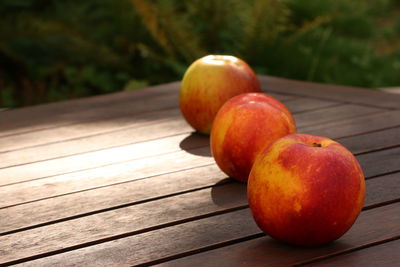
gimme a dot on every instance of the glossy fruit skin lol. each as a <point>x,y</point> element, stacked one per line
<point>306,190</point>
<point>208,83</point>
<point>243,127</point>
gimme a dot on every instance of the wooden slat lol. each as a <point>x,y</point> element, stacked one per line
<point>380,162</point>
<point>386,254</point>
<point>86,130</point>
<point>335,113</point>
<point>134,218</point>
<point>90,144</point>
<point>92,108</point>
<point>90,119</point>
<point>373,164</point>
<point>101,157</point>
<point>303,104</point>
<point>366,142</point>
<point>219,230</point>
<point>133,135</point>
<point>148,196</point>
<point>283,97</point>
<point>87,136</point>
<point>354,126</point>
<point>230,195</point>
<point>380,189</point>
<point>93,178</point>
<point>127,193</point>
<point>265,251</point>
<point>331,92</point>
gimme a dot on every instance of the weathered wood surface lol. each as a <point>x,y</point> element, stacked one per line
<point>121,180</point>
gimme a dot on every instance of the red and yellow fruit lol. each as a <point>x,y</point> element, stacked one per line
<point>208,83</point>
<point>306,190</point>
<point>243,127</point>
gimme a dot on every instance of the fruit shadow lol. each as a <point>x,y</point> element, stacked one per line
<point>196,144</point>
<point>257,250</point>
<point>229,193</point>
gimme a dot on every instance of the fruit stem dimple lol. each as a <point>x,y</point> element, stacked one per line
<point>317,145</point>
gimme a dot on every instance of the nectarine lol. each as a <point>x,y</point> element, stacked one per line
<point>244,125</point>
<point>208,83</point>
<point>306,190</point>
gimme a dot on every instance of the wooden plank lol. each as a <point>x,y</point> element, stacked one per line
<point>283,97</point>
<point>372,163</point>
<point>382,189</point>
<point>127,193</point>
<point>265,251</point>
<point>68,112</point>
<point>102,156</point>
<point>366,142</point>
<point>355,126</point>
<point>341,112</point>
<point>99,177</point>
<point>331,92</point>
<point>380,162</point>
<point>74,148</point>
<point>136,218</point>
<point>175,125</point>
<point>212,232</point>
<point>386,254</point>
<point>94,127</point>
<point>92,108</point>
<point>303,104</point>
<point>86,130</point>
<point>90,114</point>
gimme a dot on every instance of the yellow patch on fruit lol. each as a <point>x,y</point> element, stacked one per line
<point>279,189</point>
<point>218,137</point>
<point>297,207</point>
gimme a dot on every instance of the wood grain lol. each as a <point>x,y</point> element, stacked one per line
<point>92,108</point>
<point>331,92</point>
<point>382,189</point>
<point>265,251</point>
<point>121,180</point>
<point>118,195</point>
<point>380,162</point>
<point>336,113</point>
<point>367,142</point>
<point>136,218</point>
<point>386,254</point>
<point>355,126</point>
<point>196,236</point>
<point>100,177</point>
<point>373,164</point>
<point>88,136</point>
<point>86,129</point>
<point>173,126</point>
<point>85,121</point>
<point>303,104</point>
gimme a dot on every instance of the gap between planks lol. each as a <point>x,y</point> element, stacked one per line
<point>17,154</point>
<point>357,144</point>
<point>374,163</point>
<point>127,243</point>
<point>380,253</point>
<point>79,130</point>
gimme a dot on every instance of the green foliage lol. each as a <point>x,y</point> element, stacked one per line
<point>52,50</point>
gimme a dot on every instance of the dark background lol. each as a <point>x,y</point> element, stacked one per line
<point>52,50</point>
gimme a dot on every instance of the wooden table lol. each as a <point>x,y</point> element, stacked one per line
<point>121,179</point>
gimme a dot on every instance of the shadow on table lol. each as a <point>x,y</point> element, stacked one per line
<point>278,253</point>
<point>196,144</point>
<point>229,192</point>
